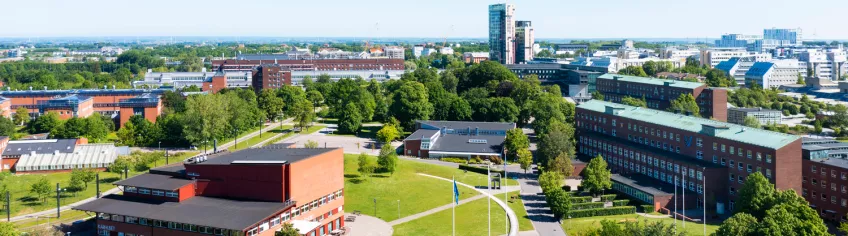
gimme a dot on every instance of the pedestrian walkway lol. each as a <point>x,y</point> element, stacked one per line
<point>433,211</point>
<point>63,208</point>
<point>513,219</point>
<point>534,202</point>
<point>368,226</point>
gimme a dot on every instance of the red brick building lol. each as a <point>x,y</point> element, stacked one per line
<point>659,93</point>
<point>685,151</point>
<point>249,192</point>
<point>825,178</point>
<point>251,62</point>
<point>271,77</point>
<point>83,103</point>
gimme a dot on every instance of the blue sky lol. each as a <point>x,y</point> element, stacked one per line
<point>419,18</point>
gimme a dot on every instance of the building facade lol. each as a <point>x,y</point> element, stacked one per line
<point>577,82</point>
<point>737,115</point>
<point>82,103</point>
<point>736,40</point>
<point>786,37</point>
<point>437,139</point>
<point>702,156</point>
<point>475,57</point>
<point>825,178</point>
<point>246,63</point>
<point>270,77</point>
<point>712,56</point>
<point>525,37</point>
<point>736,67</point>
<point>659,93</point>
<point>249,192</point>
<point>502,33</point>
<point>772,74</point>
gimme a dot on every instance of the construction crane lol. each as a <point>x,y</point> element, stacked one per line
<point>446,36</point>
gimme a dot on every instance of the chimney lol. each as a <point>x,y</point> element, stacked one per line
<point>443,131</point>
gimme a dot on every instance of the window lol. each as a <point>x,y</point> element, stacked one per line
<point>749,168</point>
<point>739,151</point>
<point>172,194</point>
<point>749,154</point>
<point>715,146</point>
<point>768,173</point>
<point>699,142</point>
<point>158,193</point>
<point>768,158</point>
<point>732,177</point>
<point>722,162</point>
<point>131,220</point>
<point>130,189</point>
<point>715,159</point>
<point>143,191</point>
<point>722,148</point>
<point>731,150</point>
<point>759,156</point>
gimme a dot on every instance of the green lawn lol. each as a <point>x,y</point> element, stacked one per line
<point>24,202</point>
<point>242,144</point>
<point>225,140</point>
<point>471,219</point>
<point>67,217</point>
<point>416,193</point>
<point>580,226</point>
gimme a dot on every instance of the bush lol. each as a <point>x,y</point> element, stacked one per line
<point>607,197</point>
<point>587,205</point>
<point>477,160</point>
<point>622,210</point>
<point>566,188</point>
<point>647,208</point>
<point>459,160</point>
<point>581,199</point>
<point>496,160</point>
<point>620,202</point>
<point>479,170</point>
<point>579,188</point>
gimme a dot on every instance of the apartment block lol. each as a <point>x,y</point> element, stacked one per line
<point>660,92</point>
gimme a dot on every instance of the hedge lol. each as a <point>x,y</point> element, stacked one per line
<point>647,208</point>
<point>479,170</point>
<point>566,188</point>
<point>454,160</point>
<point>587,205</point>
<point>581,199</point>
<point>620,202</point>
<point>622,210</point>
<point>608,197</point>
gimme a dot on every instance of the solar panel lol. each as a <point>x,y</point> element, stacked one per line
<point>480,141</point>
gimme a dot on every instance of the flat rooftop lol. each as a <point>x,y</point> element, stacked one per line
<point>652,81</point>
<point>272,155</point>
<point>155,181</point>
<point>835,162</point>
<point>198,210</point>
<point>748,109</point>
<point>739,133</point>
<point>644,184</point>
<point>20,147</point>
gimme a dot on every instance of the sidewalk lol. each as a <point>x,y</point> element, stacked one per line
<point>513,219</point>
<point>534,202</point>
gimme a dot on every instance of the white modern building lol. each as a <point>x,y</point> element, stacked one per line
<point>828,64</point>
<point>736,67</point>
<point>675,52</point>
<point>393,52</point>
<point>773,74</point>
<point>446,51</point>
<point>417,50</point>
<point>429,51</point>
<point>712,56</point>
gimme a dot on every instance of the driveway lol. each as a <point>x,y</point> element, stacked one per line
<point>351,144</point>
<point>534,202</point>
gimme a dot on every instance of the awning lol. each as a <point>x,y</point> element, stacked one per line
<point>303,226</point>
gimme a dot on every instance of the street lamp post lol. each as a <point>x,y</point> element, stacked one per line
<point>58,204</point>
<point>398,208</point>
<point>260,128</point>
<point>375,207</point>
<point>236,138</point>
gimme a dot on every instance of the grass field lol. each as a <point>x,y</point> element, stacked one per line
<point>242,144</point>
<point>471,219</point>
<point>416,193</point>
<point>67,216</point>
<point>24,202</point>
<point>580,226</point>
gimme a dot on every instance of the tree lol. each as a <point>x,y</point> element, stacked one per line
<point>597,95</point>
<point>388,159</point>
<point>76,184</point>
<point>303,113</point>
<point>366,165</point>
<point>21,115</point>
<point>800,80</point>
<point>550,180</point>
<point>596,176</point>
<point>287,230</point>
<point>8,229</point>
<point>387,134</point>
<point>206,118</point>
<point>350,119</point>
<point>120,164</point>
<point>630,101</point>
<point>270,103</point>
<point>41,189</point>
<point>127,134</point>
<point>741,224</point>
<point>634,71</point>
<point>559,201</point>
<point>7,127</point>
<point>310,144</point>
<point>515,141</point>
<point>315,97</point>
<point>718,78</point>
<point>561,164</point>
<point>45,123</point>
<point>685,104</point>
<point>843,228</point>
<point>752,122</point>
<point>71,128</point>
<point>818,127</point>
<point>525,158</point>
<point>755,196</point>
<point>410,103</point>
<point>559,139</point>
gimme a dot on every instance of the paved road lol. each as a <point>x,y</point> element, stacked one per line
<point>537,209</point>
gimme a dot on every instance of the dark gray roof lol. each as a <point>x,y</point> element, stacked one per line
<point>275,154</point>
<point>460,143</point>
<point>198,210</point>
<point>154,181</point>
<point>421,133</point>
<point>645,184</point>
<point>835,162</point>
<point>748,109</point>
<point>469,124</point>
<point>16,148</point>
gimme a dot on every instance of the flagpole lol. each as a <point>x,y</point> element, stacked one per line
<point>505,180</point>
<point>489,187</point>
<point>675,202</point>
<point>453,209</point>
<point>683,179</point>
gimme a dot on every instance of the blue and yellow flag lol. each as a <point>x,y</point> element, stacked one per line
<point>455,193</point>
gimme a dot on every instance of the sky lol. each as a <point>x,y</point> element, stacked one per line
<point>819,19</point>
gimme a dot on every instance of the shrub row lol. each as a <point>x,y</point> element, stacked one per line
<point>608,197</point>
<point>622,202</point>
<point>479,170</point>
<point>584,199</point>
<point>587,205</point>
<point>647,208</point>
<point>622,210</point>
<point>459,160</point>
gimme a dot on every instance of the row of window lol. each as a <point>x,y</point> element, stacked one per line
<point>61,167</point>
<point>154,192</point>
<point>167,224</point>
<point>843,202</point>
<point>823,185</point>
<point>297,211</point>
<point>823,171</point>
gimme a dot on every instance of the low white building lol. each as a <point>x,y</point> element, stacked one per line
<point>712,56</point>
<point>773,74</point>
<point>446,51</point>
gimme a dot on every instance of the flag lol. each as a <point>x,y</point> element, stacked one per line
<point>455,193</point>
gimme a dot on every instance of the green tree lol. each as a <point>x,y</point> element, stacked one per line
<point>550,180</point>
<point>558,140</point>
<point>515,141</point>
<point>740,224</point>
<point>525,158</point>
<point>7,127</point>
<point>366,165</point>
<point>559,201</point>
<point>8,229</point>
<point>206,118</point>
<point>127,134</point>
<point>310,144</point>
<point>800,80</point>
<point>75,184</point>
<point>21,116</point>
<point>719,78</point>
<point>287,230</point>
<point>315,97</point>
<point>843,228</point>
<point>121,164</point>
<point>634,71</point>
<point>596,176</point>
<point>350,119</point>
<point>561,164</point>
<point>650,68</point>
<point>387,134</point>
<point>752,122</point>
<point>41,189</point>
<point>685,104</point>
<point>630,101</point>
<point>755,196</point>
<point>597,95</point>
<point>45,123</point>
<point>388,159</point>
<point>270,103</point>
<point>410,103</point>
<point>303,114</point>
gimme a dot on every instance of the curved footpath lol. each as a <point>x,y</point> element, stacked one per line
<point>513,220</point>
